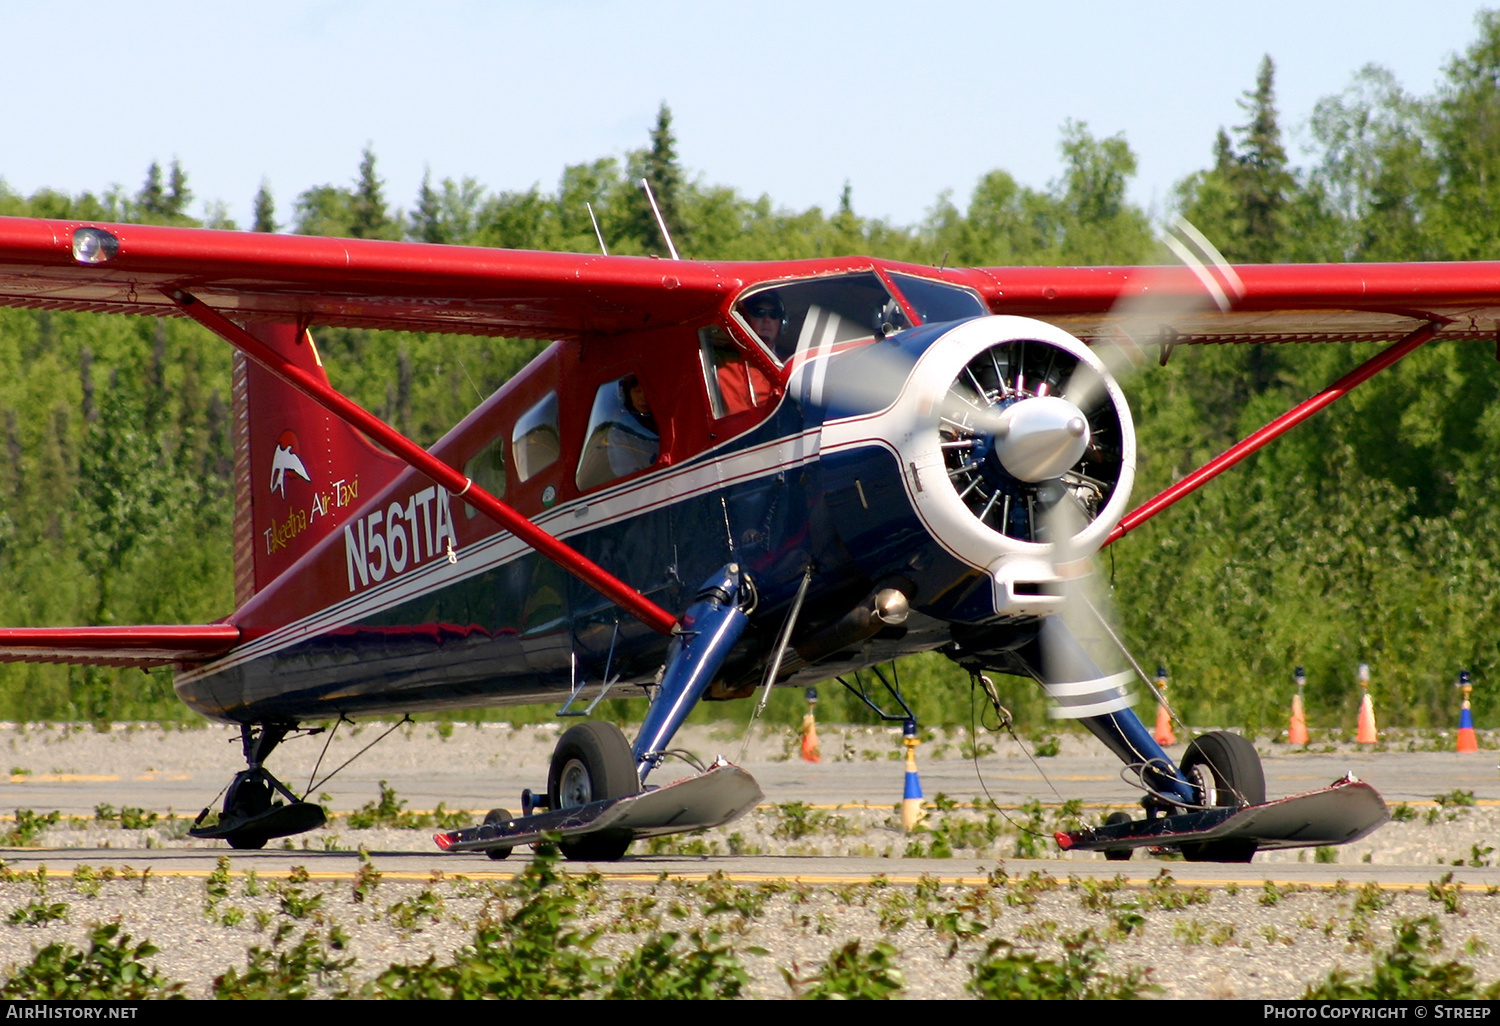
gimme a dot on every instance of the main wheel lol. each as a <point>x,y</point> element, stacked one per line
<point>591,762</point>
<point>498,816</point>
<point>1226,772</point>
<point>1118,854</point>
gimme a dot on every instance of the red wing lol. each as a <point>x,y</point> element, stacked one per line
<point>364,283</point>
<point>1280,302</point>
<point>117,646</point>
<point>352,282</point>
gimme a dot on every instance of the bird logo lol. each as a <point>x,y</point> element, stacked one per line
<point>286,459</point>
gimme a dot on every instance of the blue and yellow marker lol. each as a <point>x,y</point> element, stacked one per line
<point>911,801</point>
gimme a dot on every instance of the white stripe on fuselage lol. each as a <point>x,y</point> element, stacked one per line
<point>587,513</point>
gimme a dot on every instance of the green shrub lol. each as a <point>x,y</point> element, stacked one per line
<point>1406,972</point>
<point>1007,973</point>
<point>111,970</point>
<point>849,974</point>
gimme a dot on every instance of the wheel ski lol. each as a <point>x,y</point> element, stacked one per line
<point>1345,811</point>
<point>717,796</point>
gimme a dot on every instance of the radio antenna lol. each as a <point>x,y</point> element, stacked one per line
<point>660,221</point>
<point>598,234</point>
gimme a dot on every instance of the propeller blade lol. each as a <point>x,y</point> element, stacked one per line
<point>1149,312</point>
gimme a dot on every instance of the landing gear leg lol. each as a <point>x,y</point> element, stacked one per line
<point>252,813</point>
<point>711,626</point>
<point>593,761</point>
<point>1220,769</point>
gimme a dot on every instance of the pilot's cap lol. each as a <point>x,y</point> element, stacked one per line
<point>764,304</point>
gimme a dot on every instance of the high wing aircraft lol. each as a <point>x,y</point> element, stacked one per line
<point>721,475</point>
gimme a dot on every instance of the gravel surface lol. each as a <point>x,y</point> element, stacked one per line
<point>1190,942</point>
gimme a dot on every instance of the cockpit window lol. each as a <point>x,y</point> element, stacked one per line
<point>936,301</point>
<point>622,436</point>
<point>536,442</point>
<point>820,312</point>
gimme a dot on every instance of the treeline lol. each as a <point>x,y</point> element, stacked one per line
<point>1362,536</point>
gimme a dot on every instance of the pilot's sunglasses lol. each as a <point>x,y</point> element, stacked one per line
<point>763,311</point>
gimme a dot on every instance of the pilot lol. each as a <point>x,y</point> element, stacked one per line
<point>766,316</point>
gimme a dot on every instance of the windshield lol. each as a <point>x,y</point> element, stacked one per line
<point>794,316</point>
<point>936,301</point>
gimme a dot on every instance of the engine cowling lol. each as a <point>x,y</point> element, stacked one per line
<point>1000,420</point>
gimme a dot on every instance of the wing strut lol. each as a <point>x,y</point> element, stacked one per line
<point>574,562</point>
<point>1275,429</point>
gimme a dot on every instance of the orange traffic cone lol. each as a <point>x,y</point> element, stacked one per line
<point>1164,735</point>
<point>1467,742</point>
<point>1296,732</point>
<point>810,749</point>
<point>1365,735</point>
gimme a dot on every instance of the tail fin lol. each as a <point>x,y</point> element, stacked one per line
<point>299,471</point>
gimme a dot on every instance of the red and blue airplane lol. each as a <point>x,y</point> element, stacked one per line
<point>721,475</point>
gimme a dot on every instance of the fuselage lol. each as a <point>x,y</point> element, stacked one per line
<point>662,455</point>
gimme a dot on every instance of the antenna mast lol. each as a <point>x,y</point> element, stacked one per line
<point>597,233</point>
<point>660,221</point>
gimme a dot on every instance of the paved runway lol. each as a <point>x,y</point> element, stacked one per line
<point>479,768</point>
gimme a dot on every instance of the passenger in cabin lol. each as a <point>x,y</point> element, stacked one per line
<point>634,395</point>
<point>622,435</point>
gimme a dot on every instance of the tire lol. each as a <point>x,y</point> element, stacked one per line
<point>498,816</point>
<point>1227,771</point>
<point>252,842</point>
<point>1117,854</point>
<point>591,762</point>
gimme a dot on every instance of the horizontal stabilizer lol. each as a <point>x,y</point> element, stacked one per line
<point>143,646</point>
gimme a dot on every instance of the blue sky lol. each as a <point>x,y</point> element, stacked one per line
<point>903,100</point>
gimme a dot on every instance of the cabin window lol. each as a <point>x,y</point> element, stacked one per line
<point>487,470</point>
<point>622,436</point>
<point>735,384</point>
<point>536,442</point>
<point>792,317</point>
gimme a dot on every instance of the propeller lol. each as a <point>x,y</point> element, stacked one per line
<point>1084,661</point>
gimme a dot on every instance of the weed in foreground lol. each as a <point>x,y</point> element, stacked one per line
<point>37,912</point>
<point>111,970</point>
<point>1008,973</point>
<point>661,970</point>
<point>287,974</point>
<point>849,974</point>
<point>534,952</point>
<point>1406,972</point>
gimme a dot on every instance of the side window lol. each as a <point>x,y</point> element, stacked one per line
<point>536,442</point>
<point>622,435</point>
<point>487,470</point>
<point>734,383</point>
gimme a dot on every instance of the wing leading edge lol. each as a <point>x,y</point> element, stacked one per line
<point>117,646</point>
<point>474,290</point>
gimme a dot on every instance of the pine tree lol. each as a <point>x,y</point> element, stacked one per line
<point>368,217</point>
<point>427,224</point>
<point>1260,171</point>
<point>151,199</point>
<point>175,204</point>
<point>658,165</point>
<point>265,209</point>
